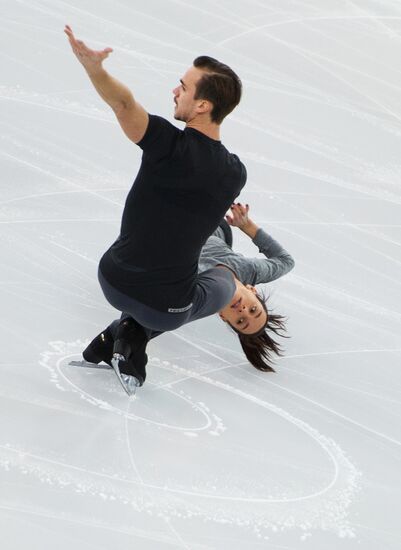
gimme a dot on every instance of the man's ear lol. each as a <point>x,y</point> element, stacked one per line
<point>204,106</point>
<point>222,317</point>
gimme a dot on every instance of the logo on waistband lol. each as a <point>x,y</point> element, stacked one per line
<point>179,309</point>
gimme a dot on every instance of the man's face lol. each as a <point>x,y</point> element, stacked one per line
<point>186,107</point>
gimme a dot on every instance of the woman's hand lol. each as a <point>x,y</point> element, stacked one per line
<point>239,217</point>
<point>90,59</point>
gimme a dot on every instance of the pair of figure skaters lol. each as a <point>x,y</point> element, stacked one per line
<point>173,262</point>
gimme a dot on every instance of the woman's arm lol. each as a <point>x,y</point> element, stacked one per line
<point>277,261</point>
<point>240,219</point>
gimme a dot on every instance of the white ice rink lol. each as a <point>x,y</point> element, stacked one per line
<point>211,454</point>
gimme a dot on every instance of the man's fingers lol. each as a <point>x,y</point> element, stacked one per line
<point>77,43</point>
<point>68,31</point>
<point>80,48</point>
<point>71,37</point>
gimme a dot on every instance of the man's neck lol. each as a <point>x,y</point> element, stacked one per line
<point>209,129</point>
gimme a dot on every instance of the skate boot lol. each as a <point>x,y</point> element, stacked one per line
<point>101,348</point>
<point>129,358</point>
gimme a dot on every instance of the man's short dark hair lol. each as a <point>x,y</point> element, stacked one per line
<point>219,85</point>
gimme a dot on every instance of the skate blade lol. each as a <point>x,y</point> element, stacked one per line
<point>88,364</point>
<point>129,383</point>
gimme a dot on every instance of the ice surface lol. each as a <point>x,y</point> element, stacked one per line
<point>211,454</point>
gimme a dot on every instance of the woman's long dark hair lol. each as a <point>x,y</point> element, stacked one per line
<point>259,347</point>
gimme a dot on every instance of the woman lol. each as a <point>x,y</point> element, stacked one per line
<point>246,313</point>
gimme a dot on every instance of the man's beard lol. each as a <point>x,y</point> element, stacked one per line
<point>177,116</point>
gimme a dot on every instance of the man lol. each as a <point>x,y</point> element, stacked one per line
<point>186,183</point>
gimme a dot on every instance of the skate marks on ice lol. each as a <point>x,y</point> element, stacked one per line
<point>238,493</point>
<point>62,374</point>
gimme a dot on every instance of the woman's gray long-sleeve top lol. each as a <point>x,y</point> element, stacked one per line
<point>277,261</point>
<point>215,251</point>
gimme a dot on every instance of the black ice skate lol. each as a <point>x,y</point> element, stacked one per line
<point>129,383</point>
<point>129,358</point>
<point>100,349</point>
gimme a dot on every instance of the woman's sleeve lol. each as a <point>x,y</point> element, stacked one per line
<point>215,288</point>
<point>277,262</point>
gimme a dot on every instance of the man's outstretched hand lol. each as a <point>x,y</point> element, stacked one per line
<point>90,59</point>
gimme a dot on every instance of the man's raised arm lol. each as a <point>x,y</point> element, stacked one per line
<point>130,114</point>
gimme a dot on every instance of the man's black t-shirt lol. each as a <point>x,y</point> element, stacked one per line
<point>186,183</point>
